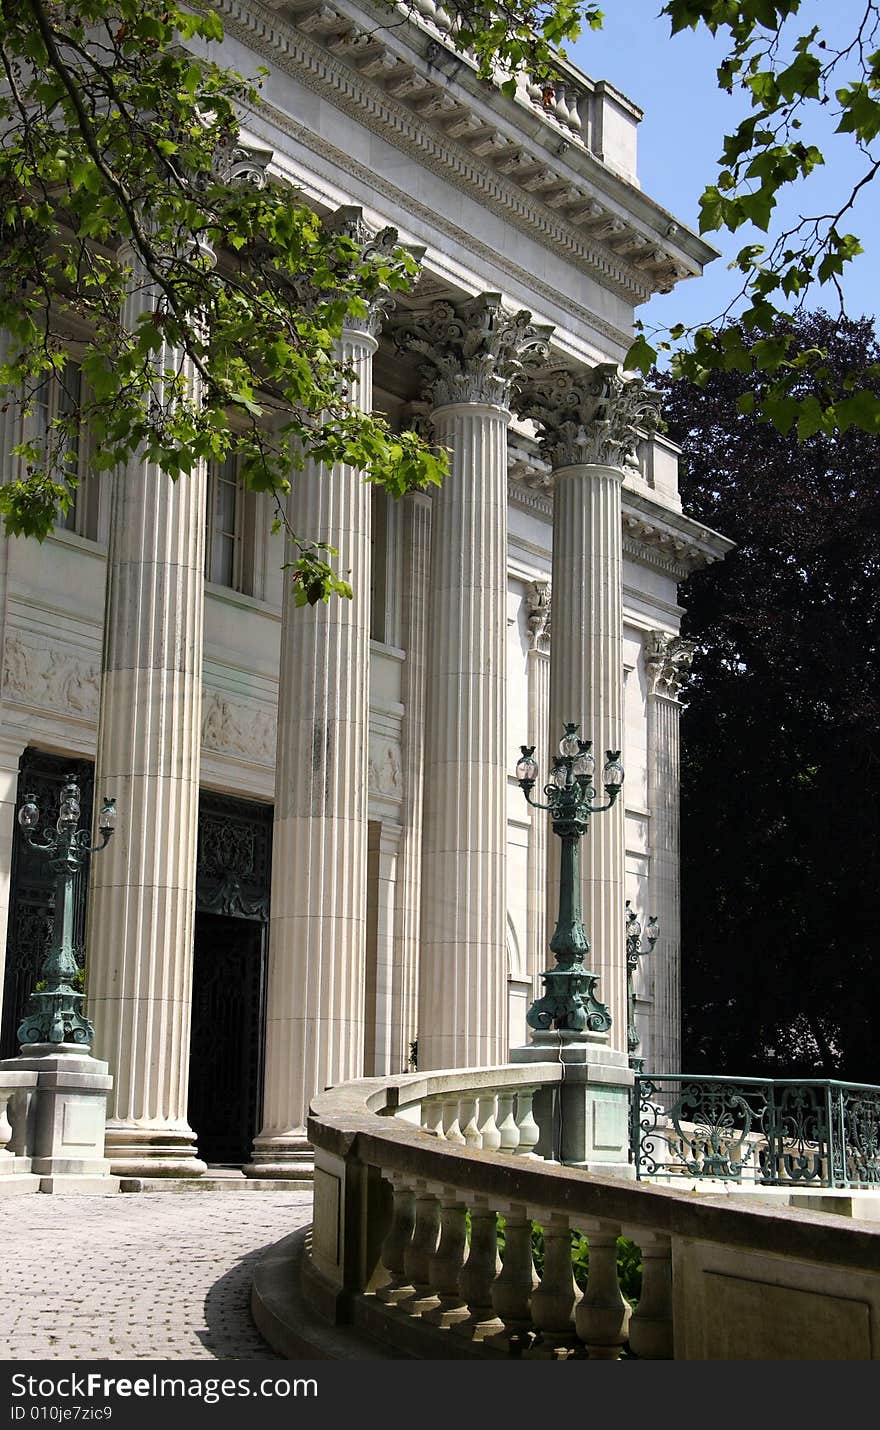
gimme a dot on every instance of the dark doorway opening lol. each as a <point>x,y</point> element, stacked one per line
<point>226,1046</point>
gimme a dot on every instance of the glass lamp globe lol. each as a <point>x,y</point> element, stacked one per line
<point>29,814</point>
<point>612,774</point>
<point>69,809</point>
<point>585,762</point>
<point>568,745</point>
<point>107,817</point>
<point>527,767</point>
<point>561,776</point>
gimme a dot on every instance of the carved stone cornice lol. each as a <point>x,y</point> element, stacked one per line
<point>667,659</point>
<point>400,92</point>
<point>538,605</point>
<point>594,416</point>
<point>471,351</point>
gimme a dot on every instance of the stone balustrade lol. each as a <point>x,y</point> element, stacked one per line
<point>16,1131</point>
<point>428,1188</point>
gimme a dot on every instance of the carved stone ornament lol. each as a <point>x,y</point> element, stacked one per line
<point>595,416</point>
<point>668,660</point>
<point>373,243</point>
<point>538,597</point>
<point>471,351</point>
<point>241,164</point>
<point>53,679</point>
<point>231,727</point>
<point>384,774</point>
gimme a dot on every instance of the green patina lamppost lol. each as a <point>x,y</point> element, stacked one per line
<point>634,952</point>
<point>569,1003</point>
<point>53,1015</point>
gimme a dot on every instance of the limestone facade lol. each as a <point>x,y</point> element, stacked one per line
<point>409,881</point>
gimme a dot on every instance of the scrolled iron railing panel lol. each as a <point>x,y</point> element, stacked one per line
<point>780,1133</point>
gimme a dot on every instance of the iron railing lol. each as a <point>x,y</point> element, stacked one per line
<point>771,1133</point>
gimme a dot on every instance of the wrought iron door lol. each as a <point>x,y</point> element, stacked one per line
<point>32,888</point>
<point>229,976</point>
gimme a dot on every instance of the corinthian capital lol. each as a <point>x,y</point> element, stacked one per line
<point>668,660</point>
<point>373,244</point>
<point>593,416</point>
<point>471,351</point>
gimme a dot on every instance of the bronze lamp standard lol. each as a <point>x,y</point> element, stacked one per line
<point>569,1003</point>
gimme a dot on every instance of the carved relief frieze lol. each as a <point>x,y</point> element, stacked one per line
<point>667,659</point>
<point>245,730</point>
<point>384,768</point>
<point>62,681</point>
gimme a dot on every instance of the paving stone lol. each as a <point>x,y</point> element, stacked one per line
<point>158,1277</point>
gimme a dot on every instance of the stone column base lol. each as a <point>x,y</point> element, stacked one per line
<point>140,1150</point>
<point>589,1125</point>
<point>287,1155</point>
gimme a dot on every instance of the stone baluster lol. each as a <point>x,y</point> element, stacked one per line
<point>667,660</point>
<point>397,1240</point>
<point>554,1300</point>
<point>479,1273</point>
<point>142,889</point>
<point>419,1252</point>
<point>451,1124</point>
<point>527,1127</point>
<point>447,1262</point>
<point>467,1117</point>
<point>651,1330</point>
<point>5,1124</point>
<point>589,424</point>
<point>508,1131</point>
<point>602,1316</point>
<point>490,1137</point>
<point>470,352</point>
<point>512,1290</point>
<point>432,1116</point>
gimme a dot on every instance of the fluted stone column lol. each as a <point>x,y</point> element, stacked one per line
<point>416,543</point>
<point>538,674</point>
<point>318,924</point>
<point>470,351</point>
<point>140,940</point>
<point>667,658</point>
<point>589,424</point>
<point>11,745</point>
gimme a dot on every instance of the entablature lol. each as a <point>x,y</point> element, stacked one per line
<point>542,164</point>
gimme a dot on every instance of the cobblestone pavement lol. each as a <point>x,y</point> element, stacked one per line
<point>149,1276</point>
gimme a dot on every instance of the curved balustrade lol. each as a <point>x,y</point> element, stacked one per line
<point>414,1174</point>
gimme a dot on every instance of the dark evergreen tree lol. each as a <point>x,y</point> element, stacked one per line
<point>781,765</point>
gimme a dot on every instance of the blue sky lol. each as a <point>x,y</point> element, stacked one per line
<point>680,137</point>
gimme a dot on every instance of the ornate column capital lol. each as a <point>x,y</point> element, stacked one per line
<point>373,244</point>
<point>538,599</point>
<point>668,660</point>
<point>593,416</point>
<point>472,350</point>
